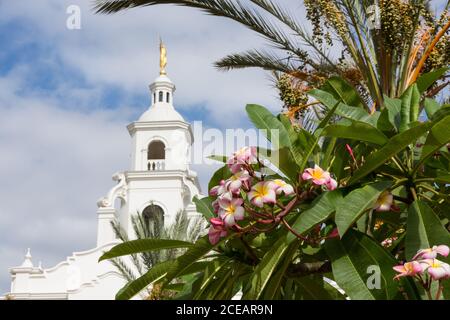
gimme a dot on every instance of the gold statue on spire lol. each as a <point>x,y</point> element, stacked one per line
<point>162,58</point>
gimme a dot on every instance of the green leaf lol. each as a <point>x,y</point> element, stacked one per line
<point>222,173</point>
<point>275,282</point>
<point>431,106</point>
<point>352,260</point>
<point>320,210</point>
<point>191,256</point>
<point>265,269</point>
<point>441,113</point>
<point>263,119</point>
<point>424,229</point>
<point>283,160</point>
<point>143,245</point>
<point>427,79</point>
<point>311,288</point>
<point>390,116</point>
<point>132,288</point>
<point>390,149</point>
<point>410,107</point>
<point>204,206</point>
<point>344,91</point>
<point>212,273</point>
<point>356,130</point>
<point>356,203</point>
<point>438,136</point>
<point>342,109</point>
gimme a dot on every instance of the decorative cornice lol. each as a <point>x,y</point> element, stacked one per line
<point>158,125</point>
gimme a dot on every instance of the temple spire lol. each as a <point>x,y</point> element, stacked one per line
<point>162,58</point>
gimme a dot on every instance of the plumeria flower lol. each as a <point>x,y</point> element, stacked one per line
<point>319,177</point>
<point>436,268</point>
<point>216,206</point>
<point>282,186</point>
<point>408,269</point>
<point>384,202</point>
<point>431,253</point>
<point>245,155</point>
<point>231,210</point>
<point>218,190</point>
<point>235,182</point>
<point>331,184</point>
<point>263,192</point>
<point>216,231</point>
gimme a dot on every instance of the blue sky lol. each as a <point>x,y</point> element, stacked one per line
<point>66,97</point>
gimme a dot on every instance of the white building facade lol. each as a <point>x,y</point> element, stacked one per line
<point>158,182</point>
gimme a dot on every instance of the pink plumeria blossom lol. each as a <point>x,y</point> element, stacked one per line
<point>218,190</point>
<point>317,175</point>
<point>216,206</point>
<point>384,202</point>
<point>236,181</point>
<point>431,253</point>
<point>331,184</point>
<point>216,231</point>
<point>436,268</point>
<point>282,186</point>
<point>408,269</point>
<point>263,192</point>
<point>231,210</point>
<point>245,155</point>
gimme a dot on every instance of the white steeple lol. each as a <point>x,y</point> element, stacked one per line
<point>159,179</point>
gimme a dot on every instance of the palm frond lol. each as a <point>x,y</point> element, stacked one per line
<point>236,11</point>
<point>124,270</point>
<point>255,59</point>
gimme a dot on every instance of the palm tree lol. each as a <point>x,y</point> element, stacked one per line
<point>183,228</point>
<point>385,47</point>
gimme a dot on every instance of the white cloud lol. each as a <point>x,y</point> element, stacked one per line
<point>59,148</point>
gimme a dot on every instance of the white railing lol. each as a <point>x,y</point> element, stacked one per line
<point>156,165</point>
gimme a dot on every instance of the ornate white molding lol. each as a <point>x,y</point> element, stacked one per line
<point>118,191</point>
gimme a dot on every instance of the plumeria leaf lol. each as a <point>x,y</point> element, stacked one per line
<point>275,282</point>
<point>311,288</point>
<point>363,269</point>
<point>426,80</point>
<point>431,106</point>
<point>424,229</point>
<point>342,110</point>
<point>390,116</point>
<point>272,127</point>
<point>356,130</point>
<point>390,149</point>
<point>343,91</point>
<point>222,173</point>
<point>143,245</point>
<point>438,136</point>
<point>132,288</point>
<point>356,203</point>
<point>191,256</point>
<point>265,270</point>
<point>410,107</point>
<point>319,211</point>
<point>204,207</point>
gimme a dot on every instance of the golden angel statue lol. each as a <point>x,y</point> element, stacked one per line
<point>162,58</point>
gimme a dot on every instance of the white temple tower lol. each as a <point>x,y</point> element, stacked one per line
<point>159,182</point>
